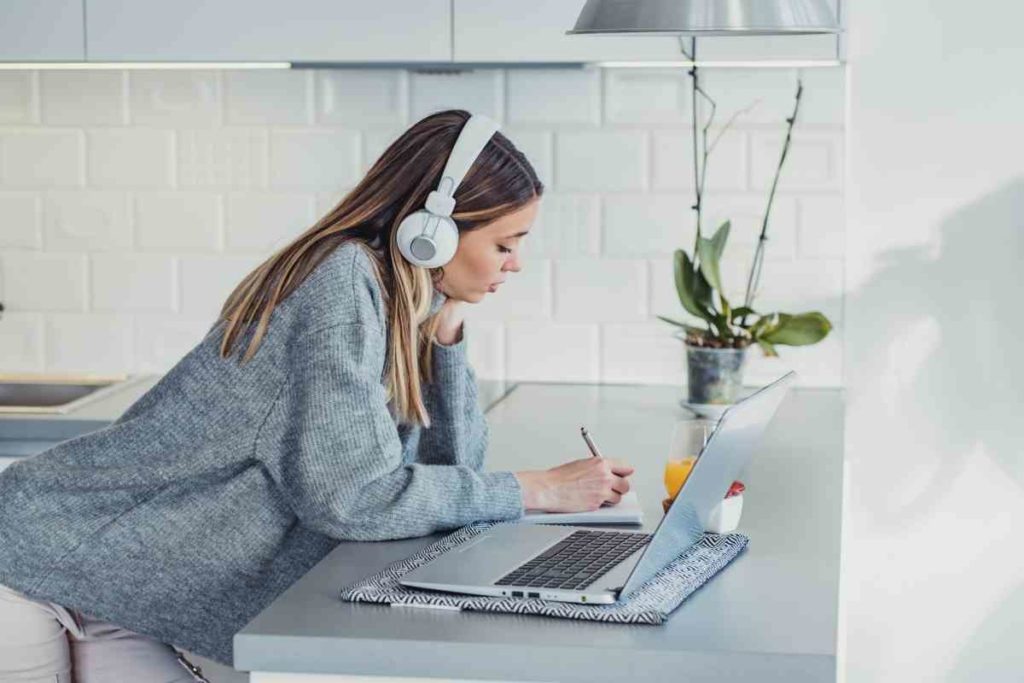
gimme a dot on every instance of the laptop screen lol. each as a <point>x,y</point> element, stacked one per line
<point>720,462</point>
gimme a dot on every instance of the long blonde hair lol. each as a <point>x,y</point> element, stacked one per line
<point>500,181</point>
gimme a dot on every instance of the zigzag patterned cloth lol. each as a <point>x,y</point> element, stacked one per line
<point>651,604</point>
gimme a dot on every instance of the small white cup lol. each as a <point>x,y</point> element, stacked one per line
<point>725,517</point>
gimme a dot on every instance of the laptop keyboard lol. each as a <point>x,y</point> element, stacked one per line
<point>576,561</point>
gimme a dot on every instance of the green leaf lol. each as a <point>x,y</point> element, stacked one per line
<point>768,349</point>
<point>688,287</point>
<point>721,324</point>
<point>798,330</point>
<point>742,311</point>
<point>689,328</point>
<point>709,253</point>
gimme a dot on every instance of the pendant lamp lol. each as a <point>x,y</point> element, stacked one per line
<point>706,17</point>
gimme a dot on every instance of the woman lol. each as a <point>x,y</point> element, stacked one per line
<point>332,400</point>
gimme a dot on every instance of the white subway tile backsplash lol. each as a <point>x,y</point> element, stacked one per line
<point>479,91</point>
<point>367,98</point>
<point>36,281</point>
<point>662,297</point>
<point>21,342</point>
<point>82,97</point>
<point>822,232</point>
<point>326,201</point>
<point>171,221</point>
<point>375,142</point>
<point>770,95</point>
<point>642,353</point>
<point>802,285</point>
<point>553,96</point>
<point>567,225</point>
<point>485,348</point>
<point>133,203</point>
<point>814,160</point>
<point>227,158</point>
<point>89,342</point>
<point>132,282</point>
<point>41,158</point>
<point>87,221</point>
<point>17,97</point>
<point>550,352</point>
<point>206,282</point>
<point>818,365</point>
<point>673,161</point>
<point>267,97</point>
<point>173,97</point>
<point>607,290</point>
<point>745,214</point>
<point>612,160</point>
<point>131,158</point>
<point>750,96</point>
<point>640,225</point>
<point>314,159</point>
<point>21,220</point>
<point>647,96</point>
<point>160,341</point>
<point>525,295</point>
<point>537,147</point>
<point>266,222</point>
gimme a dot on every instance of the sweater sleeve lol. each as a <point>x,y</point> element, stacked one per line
<point>458,433</point>
<point>341,467</point>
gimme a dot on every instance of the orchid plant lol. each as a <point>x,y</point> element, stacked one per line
<point>698,277</point>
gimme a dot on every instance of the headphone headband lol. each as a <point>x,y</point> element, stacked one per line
<point>473,137</point>
<point>428,238</point>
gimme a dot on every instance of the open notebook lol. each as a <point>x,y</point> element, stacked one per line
<point>626,511</point>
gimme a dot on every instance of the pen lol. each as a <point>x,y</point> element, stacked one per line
<point>590,443</point>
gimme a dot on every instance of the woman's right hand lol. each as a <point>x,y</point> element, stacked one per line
<point>577,486</point>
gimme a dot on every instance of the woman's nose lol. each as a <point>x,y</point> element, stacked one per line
<point>512,264</point>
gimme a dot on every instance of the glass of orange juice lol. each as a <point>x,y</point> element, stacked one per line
<point>688,439</point>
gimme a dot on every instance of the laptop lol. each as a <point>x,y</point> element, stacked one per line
<point>585,565</point>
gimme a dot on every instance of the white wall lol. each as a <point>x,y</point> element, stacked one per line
<point>934,576</point>
<point>131,202</point>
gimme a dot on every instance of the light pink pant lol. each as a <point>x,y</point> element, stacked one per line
<point>44,642</point>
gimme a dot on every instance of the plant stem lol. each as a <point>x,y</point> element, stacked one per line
<point>692,56</point>
<point>755,268</point>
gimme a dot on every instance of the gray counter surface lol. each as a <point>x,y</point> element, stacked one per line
<point>771,615</point>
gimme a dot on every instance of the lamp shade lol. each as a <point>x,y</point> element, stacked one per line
<point>706,17</point>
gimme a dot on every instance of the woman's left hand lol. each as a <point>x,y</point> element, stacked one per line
<point>449,328</point>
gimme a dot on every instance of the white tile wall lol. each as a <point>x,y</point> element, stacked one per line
<point>83,98</point>
<point>20,220</point>
<point>131,204</point>
<point>131,158</point>
<point>18,101</point>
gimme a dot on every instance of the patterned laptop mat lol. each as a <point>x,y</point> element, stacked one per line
<point>651,604</point>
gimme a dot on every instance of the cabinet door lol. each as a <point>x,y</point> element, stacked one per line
<point>269,30</point>
<point>534,31</point>
<point>49,30</point>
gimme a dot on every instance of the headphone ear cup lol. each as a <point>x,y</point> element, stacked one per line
<point>427,248</point>
<point>411,226</point>
<point>446,240</point>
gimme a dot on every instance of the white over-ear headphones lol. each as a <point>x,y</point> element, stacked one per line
<point>428,238</point>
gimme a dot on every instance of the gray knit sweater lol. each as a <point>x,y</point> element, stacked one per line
<point>225,483</point>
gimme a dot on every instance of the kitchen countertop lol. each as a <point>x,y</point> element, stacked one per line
<point>771,615</point>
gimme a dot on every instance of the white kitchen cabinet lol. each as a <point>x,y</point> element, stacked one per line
<point>41,30</point>
<point>534,31</point>
<point>269,30</point>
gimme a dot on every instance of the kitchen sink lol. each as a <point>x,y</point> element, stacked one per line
<point>54,393</point>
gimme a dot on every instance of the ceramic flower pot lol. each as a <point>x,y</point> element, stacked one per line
<point>714,376</point>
